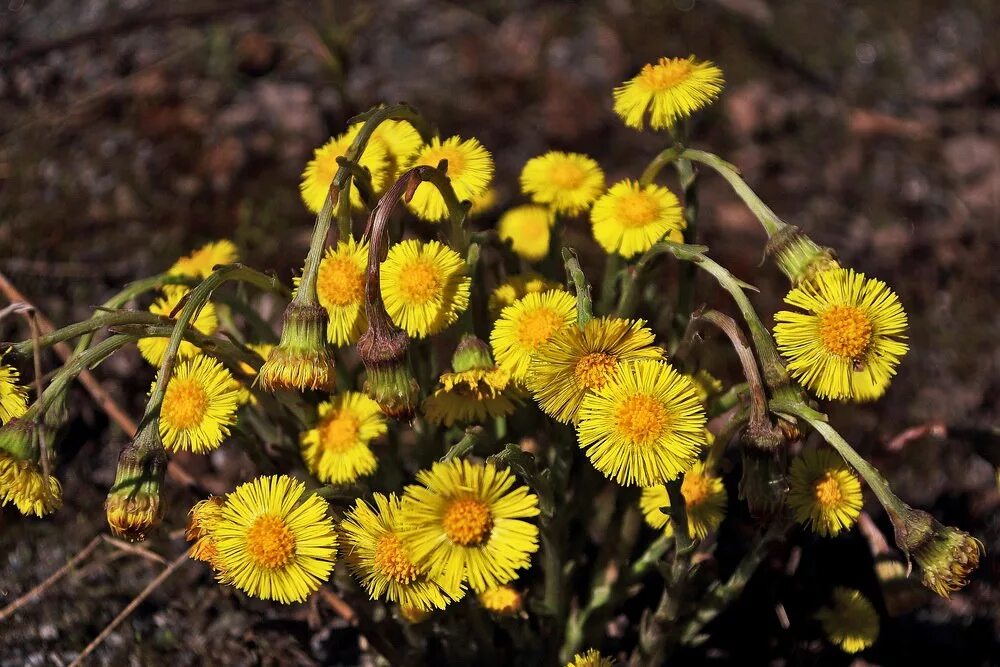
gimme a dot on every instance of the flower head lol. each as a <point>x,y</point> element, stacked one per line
<point>204,321</point>
<point>946,556</point>
<point>591,658</point>
<point>502,600</point>
<point>425,286</point>
<point>527,228</point>
<point>577,360</point>
<point>302,359</point>
<point>704,502</point>
<point>383,563</point>
<point>336,449</point>
<point>670,90</point>
<point>851,621</point>
<point>319,172</point>
<point>13,397</point>
<point>567,182</point>
<point>823,492</point>
<point>275,541</point>
<point>517,287</point>
<point>645,426</point>
<point>630,218</point>
<point>203,261</point>
<point>399,139</point>
<point>470,169</point>
<point>475,390</point>
<point>22,479</point>
<point>202,519</point>
<point>340,288</point>
<point>199,406</point>
<point>466,521</point>
<point>849,340</point>
<point>526,325</point>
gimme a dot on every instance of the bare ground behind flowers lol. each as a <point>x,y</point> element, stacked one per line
<point>155,127</point>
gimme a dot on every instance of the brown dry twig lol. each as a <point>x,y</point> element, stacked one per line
<point>933,429</point>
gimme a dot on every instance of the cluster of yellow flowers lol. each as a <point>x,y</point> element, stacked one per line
<point>604,378</point>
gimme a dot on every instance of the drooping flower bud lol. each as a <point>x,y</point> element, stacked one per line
<point>946,556</point>
<point>798,257</point>
<point>22,479</point>
<point>302,359</point>
<point>133,506</point>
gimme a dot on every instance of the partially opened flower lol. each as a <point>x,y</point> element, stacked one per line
<point>823,492</point>
<point>470,169</point>
<point>340,288</point>
<point>502,600</point>
<point>13,397</point>
<point>704,502</point>
<point>645,426</point>
<point>591,658</point>
<point>630,218</point>
<point>203,261</point>
<point>526,325</point>
<point>275,541</point>
<point>337,450</point>
<point>467,521</point>
<point>382,562</point>
<point>302,359</point>
<point>202,520</point>
<point>319,172</point>
<point>577,360</point>
<point>517,287</point>
<point>947,556</point>
<point>851,622</point>
<point>204,321</point>
<point>22,479</point>
<point>849,340</point>
<point>199,406</point>
<point>669,90</point>
<point>425,286</point>
<point>567,182</point>
<point>475,389</point>
<point>528,229</point>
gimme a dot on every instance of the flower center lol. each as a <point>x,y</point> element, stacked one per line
<point>594,369</point>
<point>537,326</point>
<point>845,331</point>
<point>636,209</point>
<point>340,281</point>
<point>456,161</point>
<point>467,522</point>
<point>828,493</point>
<point>270,543</point>
<point>695,488</point>
<point>392,561</point>
<point>419,281</point>
<point>340,432</point>
<point>185,403</point>
<point>665,74</point>
<point>566,175</point>
<point>641,419</point>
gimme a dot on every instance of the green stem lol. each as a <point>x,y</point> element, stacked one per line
<point>457,209</point>
<point>119,318</point>
<point>613,266</point>
<point>686,279</point>
<point>657,164</point>
<point>584,302</point>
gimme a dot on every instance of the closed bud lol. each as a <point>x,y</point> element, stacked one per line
<point>133,506</point>
<point>471,354</point>
<point>302,359</point>
<point>389,381</point>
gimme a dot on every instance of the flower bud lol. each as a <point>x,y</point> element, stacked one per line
<point>471,354</point>
<point>133,505</point>
<point>798,257</point>
<point>302,359</point>
<point>22,480</point>
<point>389,381</point>
<point>946,556</point>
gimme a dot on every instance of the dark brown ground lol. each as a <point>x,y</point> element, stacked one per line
<point>872,125</point>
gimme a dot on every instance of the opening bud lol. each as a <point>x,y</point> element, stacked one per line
<point>302,359</point>
<point>133,505</point>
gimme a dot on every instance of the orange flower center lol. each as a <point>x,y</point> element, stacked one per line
<point>696,488</point>
<point>419,281</point>
<point>828,493</point>
<point>594,369</point>
<point>641,419</point>
<point>340,432</point>
<point>665,74</point>
<point>185,403</point>
<point>340,281</point>
<point>467,521</point>
<point>566,175</point>
<point>270,543</point>
<point>393,562</point>
<point>537,326</point>
<point>636,209</point>
<point>845,331</point>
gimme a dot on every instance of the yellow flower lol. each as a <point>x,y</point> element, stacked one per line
<point>670,90</point>
<point>823,492</point>
<point>381,561</point>
<point>568,182</point>
<point>425,286</point>
<point>575,361</point>
<point>704,500</point>
<point>202,520</point>
<point>204,321</point>
<point>947,556</point>
<point>275,542</point>
<point>340,287</point>
<point>336,449</point>
<point>203,261</point>
<point>472,396</point>
<point>850,339</point>
<point>645,426</point>
<point>199,406</point>
<point>851,622</point>
<point>517,287</point>
<point>466,522</point>
<point>470,169</point>
<point>13,397</point>
<point>591,658</point>
<point>398,137</point>
<point>24,484</point>
<point>483,202</point>
<point>630,218</point>
<point>527,324</point>
<point>527,228</point>
<point>502,600</point>
<point>319,172</point>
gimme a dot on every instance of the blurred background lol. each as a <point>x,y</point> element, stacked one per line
<point>132,132</point>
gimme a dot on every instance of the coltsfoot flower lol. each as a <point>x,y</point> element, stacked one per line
<point>670,90</point>
<point>567,182</point>
<point>204,321</point>
<point>302,359</point>
<point>201,262</point>
<point>704,501</point>
<point>823,492</point>
<point>851,622</point>
<point>133,506</point>
<point>340,288</point>
<point>517,287</point>
<point>630,218</point>
<point>337,449</point>
<point>502,600</point>
<point>528,229</point>
<point>400,140</point>
<point>22,479</point>
<point>591,658</point>
<point>470,169</point>
<point>425,286</point>
<point>13,397</point>
<point>319,172</point>
<point>202,520</point>
<point>526,325</point>
<point>474,390</point>
<point>199,406</point>
<point>947,556</point>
